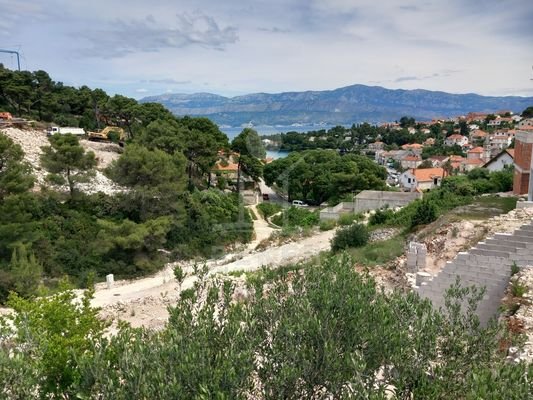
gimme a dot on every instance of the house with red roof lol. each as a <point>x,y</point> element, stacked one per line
<point>422,178</point>
<point>456,139</point>
<point>411,161</point>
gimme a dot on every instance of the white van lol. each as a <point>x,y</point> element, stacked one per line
<point>299,203</point>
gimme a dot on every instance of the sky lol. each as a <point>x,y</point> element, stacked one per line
<point>233,47</point>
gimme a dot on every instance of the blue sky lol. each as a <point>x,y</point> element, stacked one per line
<point>231,47</point>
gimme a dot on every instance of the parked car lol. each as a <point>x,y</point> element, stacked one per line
<point>265,196</point>
<point>299,203</point>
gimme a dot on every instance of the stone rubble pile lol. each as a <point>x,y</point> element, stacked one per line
<point>382,234</point>
<point>525,315</point>
<point>31,142</point>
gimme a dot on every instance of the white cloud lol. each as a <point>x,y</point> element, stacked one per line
<point>280,45</point>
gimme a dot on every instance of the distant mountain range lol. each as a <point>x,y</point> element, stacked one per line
<point>347,105</point>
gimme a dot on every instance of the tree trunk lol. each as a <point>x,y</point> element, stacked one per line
<point>70,183</point>
<point>239,176</point>
<point>190,174</point>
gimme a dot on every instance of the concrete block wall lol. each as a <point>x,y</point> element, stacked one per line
<point>416,257</point>
<point>488,265</point>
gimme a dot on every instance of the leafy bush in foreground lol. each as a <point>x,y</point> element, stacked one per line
<point>321,331</point>
<point>355,235</point>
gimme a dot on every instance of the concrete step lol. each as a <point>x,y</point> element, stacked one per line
<point>496,246</point>
<point>505,242</point>
<point>523,232</point>
<point>489,253</point>
<point>528,227</point>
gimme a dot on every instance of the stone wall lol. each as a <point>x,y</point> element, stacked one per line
<point>369,200</point>
<point>333,213</point>
<point>375,199</point>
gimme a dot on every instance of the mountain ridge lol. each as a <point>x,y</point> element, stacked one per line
<point>345,105</point>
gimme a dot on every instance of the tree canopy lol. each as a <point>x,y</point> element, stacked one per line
<point>15,174</point>
<point>321,175</point>
<point>67,161</point>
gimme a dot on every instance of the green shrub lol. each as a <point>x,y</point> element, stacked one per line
<point>327,224</point>
<point>379,252</point>
<point>518,289</point>
<point>355,235</point>
<point>297,216</point>
<point>425,212</point>
<point>380,217</point>
<point>268,209</point>
<point>348,219</point>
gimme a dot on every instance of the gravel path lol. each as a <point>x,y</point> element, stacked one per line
<point>144,302</point>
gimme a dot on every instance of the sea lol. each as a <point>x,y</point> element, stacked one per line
<point>265,130</point>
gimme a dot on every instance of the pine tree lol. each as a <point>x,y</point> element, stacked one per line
<point>26,271</point>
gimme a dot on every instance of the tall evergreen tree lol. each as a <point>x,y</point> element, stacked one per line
<point>15,174</point>
<point>67,161</point>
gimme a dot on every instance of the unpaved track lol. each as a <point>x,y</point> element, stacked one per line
<point>163,282</point>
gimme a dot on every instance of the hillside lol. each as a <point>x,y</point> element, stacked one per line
<point>356,103</point>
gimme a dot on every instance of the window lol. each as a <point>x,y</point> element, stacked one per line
<point>408,180</point>
<point>435,181</point>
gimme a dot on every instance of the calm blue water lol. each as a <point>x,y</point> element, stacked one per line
<point>270,130</point>
<point>277,154</point>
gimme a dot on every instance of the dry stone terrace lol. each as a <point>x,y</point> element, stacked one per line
<point>487,264</point>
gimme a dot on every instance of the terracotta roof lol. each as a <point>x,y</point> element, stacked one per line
<point>479,133</point>
<point>411,158</point>
<point>229,167</point>
<point>476,150</point>
<point>412,146</point>
<point>428,174</point>
<point>456,158</point>
<point>456,164</point>
<point>510,151</point>
<point>455,136</point>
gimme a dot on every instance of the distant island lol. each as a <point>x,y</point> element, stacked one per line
<point>343,106</point>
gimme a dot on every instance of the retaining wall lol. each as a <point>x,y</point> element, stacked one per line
<point>488,265</point>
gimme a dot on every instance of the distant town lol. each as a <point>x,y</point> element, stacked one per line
<point>419,154</point>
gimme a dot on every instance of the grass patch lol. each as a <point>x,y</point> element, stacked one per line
<point>350,218</point>
<point>486,207</point>
<point>518,289</point>
<point>379,252</point>
<point>268,209</point>
<point>327,224</point>
<point>296,216</point>
<point>252,214</point>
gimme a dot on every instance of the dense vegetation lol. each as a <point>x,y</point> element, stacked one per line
<point>316,176</point>
<point>167,202</point>
<point>454,191</point>
<point>323,331</point>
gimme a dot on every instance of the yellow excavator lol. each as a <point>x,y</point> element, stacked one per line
<point>103,135</point>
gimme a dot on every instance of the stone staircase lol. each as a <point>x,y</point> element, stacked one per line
<point>488,265</point>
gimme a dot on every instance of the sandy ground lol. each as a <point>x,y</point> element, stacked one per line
<point>261,228</point>
<point>105,153</point>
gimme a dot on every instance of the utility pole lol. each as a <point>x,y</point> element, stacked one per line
<point>12,52</point>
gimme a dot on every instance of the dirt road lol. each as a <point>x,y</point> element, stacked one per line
<point>144,302</point>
